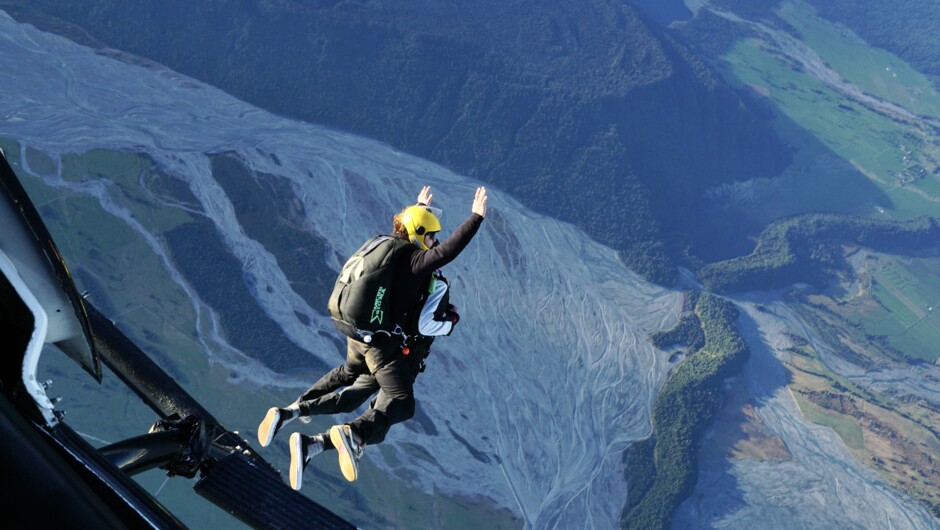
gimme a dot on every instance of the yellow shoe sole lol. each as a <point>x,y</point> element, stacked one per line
<point>268,426</point>
<point>347,461</point>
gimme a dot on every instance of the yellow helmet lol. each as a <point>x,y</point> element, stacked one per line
<point>420,221</point>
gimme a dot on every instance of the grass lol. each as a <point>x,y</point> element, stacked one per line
<point>808,362</point>
<point>845,426</point>
<point>931,185</point>
<point>810,374</point>
<point>96,163</point>
<point>38,192</point>
<point>906,290</point>
<point>882,149</point>
<point>69,219</point>
<point>873,70</point>
<point>853,132</point>
<point>127,171</point>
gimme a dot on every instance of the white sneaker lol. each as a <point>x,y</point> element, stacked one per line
<point>272,422</point>
<point>302,449</point>
<point>349,449</point>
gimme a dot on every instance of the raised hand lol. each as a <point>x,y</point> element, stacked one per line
<point>479,202</point>
<point>425,196</point>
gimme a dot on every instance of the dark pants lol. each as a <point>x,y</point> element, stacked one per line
<point>369,367</point>
<point>346,399</point>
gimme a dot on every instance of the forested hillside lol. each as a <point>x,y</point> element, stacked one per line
<point>585,111</point>
<point>807,249</point>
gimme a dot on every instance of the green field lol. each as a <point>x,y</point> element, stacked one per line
<point>899,158</point>
<point>892,314</point>
<point>908,295</point>
<point>130,172</point>
<point>846,427</point>
<point>873,70</point>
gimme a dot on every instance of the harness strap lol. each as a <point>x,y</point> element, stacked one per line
<point>367,337</point>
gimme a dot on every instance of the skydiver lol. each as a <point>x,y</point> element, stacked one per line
<point>384,363</point>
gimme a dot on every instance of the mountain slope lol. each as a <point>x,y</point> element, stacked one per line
<point>583,110</point>
<point>124,159</point>
<point>525,410</point>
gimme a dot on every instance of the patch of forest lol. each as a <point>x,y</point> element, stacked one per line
<point>663,470</point>
<point>808,249</point>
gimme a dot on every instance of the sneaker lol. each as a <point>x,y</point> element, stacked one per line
<point>302,449</point>
<point>272,422</point>
<point>349,449</point>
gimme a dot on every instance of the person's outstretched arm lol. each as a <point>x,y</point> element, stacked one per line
<point>450,248</point>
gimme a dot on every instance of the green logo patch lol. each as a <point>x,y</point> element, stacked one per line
<point>377,313</point>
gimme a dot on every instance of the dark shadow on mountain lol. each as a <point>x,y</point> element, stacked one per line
<point>730,217</point>
<point>587,112</point>
<point>664,12</point>
<point>812,179</point>
<point>763,372</point>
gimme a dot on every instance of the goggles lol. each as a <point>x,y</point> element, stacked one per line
<point>436,211</point>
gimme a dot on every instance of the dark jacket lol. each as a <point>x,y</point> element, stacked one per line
<point>413,271</point>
